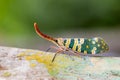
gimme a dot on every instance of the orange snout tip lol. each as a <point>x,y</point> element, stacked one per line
<point>35,23</point>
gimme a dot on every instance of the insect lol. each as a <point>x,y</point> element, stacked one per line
<point>85,46</point>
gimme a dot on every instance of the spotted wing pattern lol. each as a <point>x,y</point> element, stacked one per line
<point>86,45</point>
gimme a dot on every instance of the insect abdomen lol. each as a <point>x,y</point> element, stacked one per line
<point>86,45</point>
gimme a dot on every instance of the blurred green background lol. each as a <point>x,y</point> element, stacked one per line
<point>59,18</point>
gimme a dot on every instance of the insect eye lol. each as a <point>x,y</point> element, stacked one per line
<point>56,41</point>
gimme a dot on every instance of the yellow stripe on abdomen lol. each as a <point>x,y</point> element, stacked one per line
<point>75,44</point>
<point>67,43</point>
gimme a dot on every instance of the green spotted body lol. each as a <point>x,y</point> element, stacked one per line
<point>86,45</point>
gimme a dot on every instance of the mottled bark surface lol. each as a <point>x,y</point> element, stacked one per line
<point>26,64</point>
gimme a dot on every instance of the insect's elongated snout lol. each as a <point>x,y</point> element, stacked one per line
<point>43,35</point>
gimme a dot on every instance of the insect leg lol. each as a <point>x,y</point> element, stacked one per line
<point>54,57</point>
<point>48,49</point>
<point>51,48</point>
<point>75,53</point>
<point>87,60</point>
<point>70,56</point>
<point>56,54</point>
